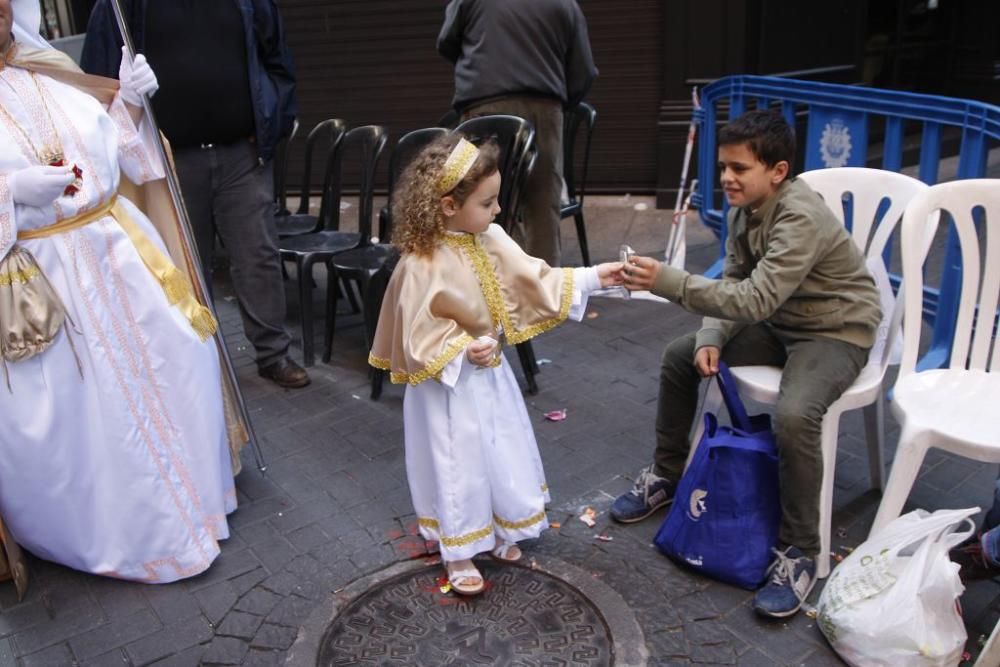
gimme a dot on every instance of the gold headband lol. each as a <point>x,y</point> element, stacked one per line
<point>461,159</point>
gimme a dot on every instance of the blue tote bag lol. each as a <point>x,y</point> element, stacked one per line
<point>725,515</point>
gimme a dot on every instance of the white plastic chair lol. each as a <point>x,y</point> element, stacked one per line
<point>957,408</point>
<point>868,188</point>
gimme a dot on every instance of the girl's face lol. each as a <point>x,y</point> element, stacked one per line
<point>480,207</point>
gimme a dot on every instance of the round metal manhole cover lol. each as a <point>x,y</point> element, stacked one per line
<point>525,617</point>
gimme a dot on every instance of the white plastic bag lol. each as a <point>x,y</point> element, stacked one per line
<point>893,601</point>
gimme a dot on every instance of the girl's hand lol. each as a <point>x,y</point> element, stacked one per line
<point>480,351</point>
<point>611,274</point>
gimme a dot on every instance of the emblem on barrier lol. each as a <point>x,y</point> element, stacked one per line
<point>835,144</point>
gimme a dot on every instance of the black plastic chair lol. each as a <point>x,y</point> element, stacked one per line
<point>306,250</point>
<point>370,265</point>
<point>581,115</point>
<point>516,138</point>
<point>322,139</point>
<point>280,174</point>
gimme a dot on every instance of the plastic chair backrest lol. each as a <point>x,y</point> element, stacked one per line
<point>280,174</point>
<point>870,202</point>
<point>974,207</point>
<point>585,115</point>
<point>330,131</point>
<point>516,137</point>
<point>367,142</point>
<point>407,148</point>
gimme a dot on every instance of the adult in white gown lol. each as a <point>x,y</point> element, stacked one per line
<point>124,469</point>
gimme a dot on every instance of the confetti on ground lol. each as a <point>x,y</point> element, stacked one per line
<point>446,588</point>
<point>603,538</point>
<point>837,557</point>
<point>809,610</point>
<point>641,206</point>
<point>966,656</point>
<point>556,525</point>
<point>589,517</point>
<point>556,415</point>
<point>355,397</point>
<point>543,361</point>
<point>592,314</point>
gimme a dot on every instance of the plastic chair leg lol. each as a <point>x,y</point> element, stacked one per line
<point>526,355</point>
<point>351,299</point>
<point>581,234</point>
<point>331,313</point>
<point>378,376</point>
<point>909,456</point>
<point>875,435</point>
<point>829,437</point>
<point>305,309</point>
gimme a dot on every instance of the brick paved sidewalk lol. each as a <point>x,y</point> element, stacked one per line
<point>334,505</point>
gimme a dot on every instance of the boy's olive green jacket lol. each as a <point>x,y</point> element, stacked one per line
<point>791,264</point>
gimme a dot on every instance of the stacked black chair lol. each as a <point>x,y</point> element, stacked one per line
<point>582,115</point>
<point>516,138</point>
<point>367,142</point>
<point>280,174</point>
<point>370,264</point>
<point>322,143</point>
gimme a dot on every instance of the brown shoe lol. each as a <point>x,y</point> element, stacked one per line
<point>285,373</point>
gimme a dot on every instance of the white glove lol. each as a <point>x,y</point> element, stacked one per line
<point>39,186</point>
<point>136,78</point>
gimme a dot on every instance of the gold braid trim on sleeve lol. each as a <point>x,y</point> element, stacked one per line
<point>565,304</point>
<point>431,370</point>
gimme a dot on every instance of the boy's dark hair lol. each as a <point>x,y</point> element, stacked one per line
<point>766,134</point>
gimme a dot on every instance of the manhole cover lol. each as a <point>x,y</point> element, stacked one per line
<point>525,617</point>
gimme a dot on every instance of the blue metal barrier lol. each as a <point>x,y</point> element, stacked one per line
<point>838,119</point>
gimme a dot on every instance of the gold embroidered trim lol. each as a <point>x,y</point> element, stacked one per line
<point>494,297</point>
<point>19,277</point>
<point>431,370</point>
<point>459,541</point>
<point>517,525</point>
<point>545,488</point>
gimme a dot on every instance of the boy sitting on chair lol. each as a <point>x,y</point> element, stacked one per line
<point>795,293</point>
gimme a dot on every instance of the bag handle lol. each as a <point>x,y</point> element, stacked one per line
<point>727,385</point>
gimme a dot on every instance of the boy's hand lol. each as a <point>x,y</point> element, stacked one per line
<point>706,360</point>
<point>480,351</point>
<point>641,273</point>
<point>611,274</point>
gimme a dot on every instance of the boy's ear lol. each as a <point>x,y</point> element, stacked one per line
<point>449,206</point>
<point>779,172</point>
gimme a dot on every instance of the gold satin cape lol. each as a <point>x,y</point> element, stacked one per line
<point>154,200</point>
<point>436,305</point>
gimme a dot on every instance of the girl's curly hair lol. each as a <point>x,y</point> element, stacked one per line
<point>416,209</point>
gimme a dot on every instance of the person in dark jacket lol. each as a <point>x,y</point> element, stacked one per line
<point>226,98</point>
<point>527,58</point>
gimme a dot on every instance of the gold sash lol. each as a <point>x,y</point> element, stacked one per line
<point>174,283</point>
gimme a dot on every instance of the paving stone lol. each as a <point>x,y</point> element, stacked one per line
<point>189,657</point>
<point>274,554</point>
<point>172,602</point>
<point>229,564</point>
<point>119,599</point>
<point>264,658</point>
<point>216,600</point>
<point>239,624</point>
<point>291,611</point>
<point>258,601</point>
<point>54,656</point>
<point>64,626</point>
<point>225,651</point>
<point>245,582</point>
<point>115,658</point>
<point>23,616</point>
<point>170,640</point>
<point>271,636</point>
<point>114,634</point>
<point>7,658</point>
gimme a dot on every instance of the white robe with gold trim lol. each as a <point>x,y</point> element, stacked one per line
<point>124,472</point>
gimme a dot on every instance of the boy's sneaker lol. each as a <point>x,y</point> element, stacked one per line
<point>990,544</point>
<point>793,576</point>
<point>650,493</point>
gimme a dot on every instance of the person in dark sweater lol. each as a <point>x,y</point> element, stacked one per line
<point>227,96</point>
<point>527,58</point>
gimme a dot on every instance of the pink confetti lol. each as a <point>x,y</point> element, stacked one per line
<point>556,415</point>
<point>603,538</point>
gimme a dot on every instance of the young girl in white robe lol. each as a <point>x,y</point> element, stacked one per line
<point>461,288</point>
